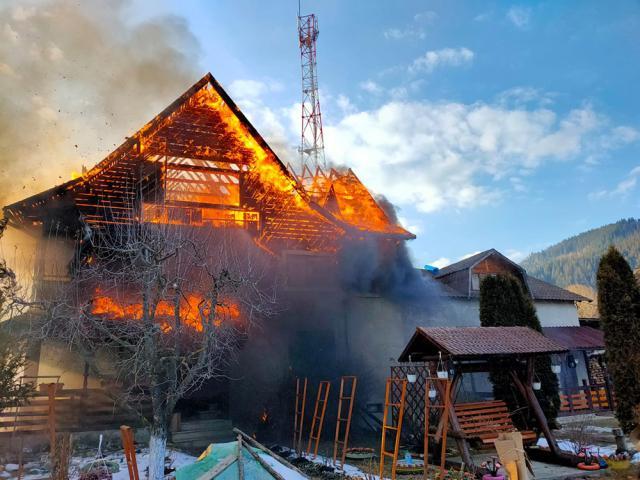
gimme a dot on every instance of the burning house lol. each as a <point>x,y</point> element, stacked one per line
<point>200,163</point>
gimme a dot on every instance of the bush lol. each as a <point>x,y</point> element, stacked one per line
<point>619,304</point>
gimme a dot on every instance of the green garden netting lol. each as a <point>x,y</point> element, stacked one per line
<point>214,454</point>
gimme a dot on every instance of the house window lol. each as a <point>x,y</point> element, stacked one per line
<point>476,279</point>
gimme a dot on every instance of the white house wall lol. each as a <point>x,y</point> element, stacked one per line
<point>557,314</point>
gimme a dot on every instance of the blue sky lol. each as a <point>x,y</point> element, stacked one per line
<point>488,124</point>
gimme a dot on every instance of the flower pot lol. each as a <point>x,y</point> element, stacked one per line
<point>537,385</point>
<point>443,374</point>
<point>556,368</point>
<point>432,394</point>
<point>488,476</point>
<point>412,377</point>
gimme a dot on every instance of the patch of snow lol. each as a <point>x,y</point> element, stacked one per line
<point>570,447</point>
<point>177,460</point>
<point>283,470</point>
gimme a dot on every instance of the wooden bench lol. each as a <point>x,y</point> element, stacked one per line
<point>486,420</point>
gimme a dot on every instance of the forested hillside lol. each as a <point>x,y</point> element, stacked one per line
<point>575,260</point>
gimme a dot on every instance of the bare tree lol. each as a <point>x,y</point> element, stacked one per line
<point>161,308</point>
<point>13,361</point>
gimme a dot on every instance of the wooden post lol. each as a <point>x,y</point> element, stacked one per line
<point>254,443</point>
<point>240,465</point>
<point>609,390</point>
<point>265,465</point>
<point>587,391</point>
<point>126,433</point>
<point>461,441</point>
<point>527,392</point>
<point>51,417</point>
<point>445,414</point>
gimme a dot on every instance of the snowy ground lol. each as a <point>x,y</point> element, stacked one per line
<point>570,447</point>
<point>40,470</point>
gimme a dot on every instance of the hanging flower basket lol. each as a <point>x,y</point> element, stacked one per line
<point>536,385</point>
<point>432,393</point>
<point>556,368</point>
<point>412,377</point>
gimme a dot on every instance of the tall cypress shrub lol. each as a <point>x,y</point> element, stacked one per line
<point>505,303</point>
<point>619,305</point>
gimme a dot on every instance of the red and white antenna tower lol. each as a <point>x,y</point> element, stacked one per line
<point>312,141</point>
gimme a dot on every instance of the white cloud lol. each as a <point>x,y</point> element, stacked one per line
<point>371,87</point>
<point>433,59</point>
<point>516,255</point>
<point>413,30</point>
<point>248,88</point>
<point>519,16</point>
<point>520,96</point>
<point>426,17</point>
<point>412,227</point>
<point>467,255</point>
<point>345,105</point>
<point>401,33</point>
<point>482,17</point>
<point>623,188</point>
<point>436,156</point>
<point>440,262</point>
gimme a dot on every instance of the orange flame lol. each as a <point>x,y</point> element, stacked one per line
<point>190,310</point>
<point>264,163</point>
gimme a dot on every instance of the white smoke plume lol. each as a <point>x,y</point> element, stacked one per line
<point>75,78</point>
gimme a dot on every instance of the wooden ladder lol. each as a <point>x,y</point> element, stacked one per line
<point>318,421</point>
<point>386,427</point>
<point>298,419</point>
<point>443,426</point>
<point>353,381</point>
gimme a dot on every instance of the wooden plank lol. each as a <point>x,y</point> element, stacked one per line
<point>482,413</point>
<point>265,465</point>
<point>485,417</point>
<point>254,443</point>
<point>220,467</point>
<point>475,405</point>
<point>475,432</point>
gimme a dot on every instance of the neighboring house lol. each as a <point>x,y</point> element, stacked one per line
<point>555,306</point>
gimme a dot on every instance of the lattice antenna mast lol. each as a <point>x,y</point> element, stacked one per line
<point>312,141</point>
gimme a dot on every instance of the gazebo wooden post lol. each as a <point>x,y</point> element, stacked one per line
<point>461,441</point>
<point>526,389</point>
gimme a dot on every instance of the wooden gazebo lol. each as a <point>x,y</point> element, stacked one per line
<point>473,349</point>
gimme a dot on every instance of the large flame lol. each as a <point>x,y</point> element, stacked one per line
<point>192,310</point>
<point>264,163</point>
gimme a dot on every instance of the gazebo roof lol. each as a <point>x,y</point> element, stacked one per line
<point>478,343</point>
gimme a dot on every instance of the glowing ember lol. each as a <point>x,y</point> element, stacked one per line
<point>192,310</point>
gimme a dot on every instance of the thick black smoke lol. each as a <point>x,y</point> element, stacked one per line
<point>381,266</point>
